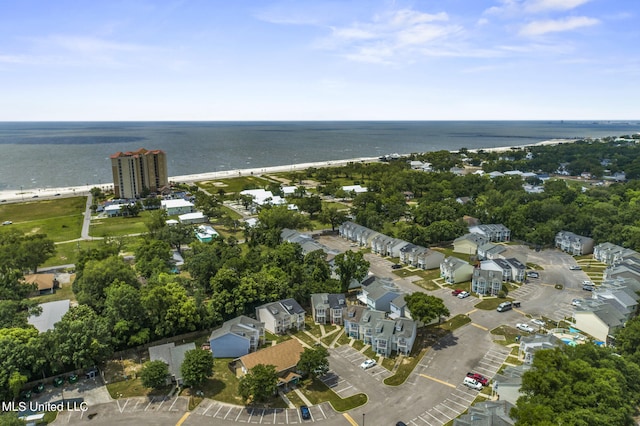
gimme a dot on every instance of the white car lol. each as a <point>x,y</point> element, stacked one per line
<point>539,322</point>
<point>7,222</point>
<point>463,294</point>
<point>472,383</point>
<point>525,327</point>
<point>576,302</point>
<point>367,364</point>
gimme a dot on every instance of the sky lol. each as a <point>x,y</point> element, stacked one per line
<point>221,60</point>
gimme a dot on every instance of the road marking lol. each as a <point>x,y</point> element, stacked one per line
<point>207,409</point>
<point>219,408</point>
<point>457,403</point>
<point>438,380</point>
<point>183,418</point>
<point>230,408</point>
<point>424,420</point>
<point>479,326</point>
<point>174,402</point>
<point>350,419</point>
<point>159,406</point>
<point>150,402</point>
<point>470,312</point>
<point>436,409</point>
<point>322,411</point>
<point>238,416</point>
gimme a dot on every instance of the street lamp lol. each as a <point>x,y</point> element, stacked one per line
<point>362,419</point>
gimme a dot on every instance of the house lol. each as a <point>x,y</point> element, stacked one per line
<point>378,294</point>
<point>398,308</point>
<point>464,200</point>
<point>171,355</point>
<point>191,218</point>
<point>493,232</point>
<point>490,251</point>
<point>507,384</point>
<point>45,283</point>
<point>262,197</point>
<point>387,246</point>
<point>384,335</point>
<point>206,233</point>
<point>611,254</point>
<point>574,244</point>
<point>529,345</point>
<point>289,190</point>
<point>486,282</point>
<point>177,207</point>
<point>622,297</point>
<point>469,243</point>
<point>283,356</point>
<point>357,233</point>
<point>357,189</point>
<point>306,242</point>
<point>420,257</point>
<point>279,317</point>
<point>352,320</point>
<point>52,312</point>
<point>237,337</point>
<point>455,270</point>
<point>328,308</point>
<point>599,319</point>
<point>511,269</point>
<point>113,210</point>
<point>494,413</point>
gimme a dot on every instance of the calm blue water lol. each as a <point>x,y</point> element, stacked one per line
<point>48,154</point>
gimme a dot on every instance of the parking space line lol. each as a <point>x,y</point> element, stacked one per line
<point>238,416</point>
<point>228,412</point>
<point>174,402</point>
<point>322,411</point>
<point>457,403</point>
<point>426,412</point>
<point>436,409</point>
<point>438,381</point>
<point>219,408</point>
<point>250,416</point>
<point>150,402</point>
<point>350,419</point>
<point>204,413</point>
<point>159,406</point>
<point>342,390</point>
<point>420,417</point>
<point>274,416</point>
<point>123,407</point>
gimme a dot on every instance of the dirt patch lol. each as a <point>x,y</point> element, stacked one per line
<point>118,370</point>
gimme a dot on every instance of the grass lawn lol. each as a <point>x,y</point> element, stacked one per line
<point>343,339</point>
<point>64,292</point>
<point>404,369</point>
<point>60,219</point>
<point>357,345</point>
<point>223,386</point>
<point>318,392</point>
<point>312,327</point>
<point>509,334</point>
<point>305,338</point>
<point>234,184</point>
<point>119,226</point>
<point>455,322</point>
<point>270,337</point>
<point>388,363</point>
<point>492,304</point>
<point>133,387</point>
<point>68,252</point>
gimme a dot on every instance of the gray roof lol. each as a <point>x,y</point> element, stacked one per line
<point>236,325</point>
<point>278,309</point>
<point>328,300</point>
<point>52,312</point>
<point>171,355</point>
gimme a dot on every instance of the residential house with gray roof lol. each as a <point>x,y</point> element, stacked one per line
<point>279,317</point>
<point>236,337</point>
<point>599,319</point>
<point>383,334</point>
<point>469,243</point>
<point>173,356</point>
<point>455,270</point>
<point>379,294</point>
<point>529,345</point>
<point>398,308</point>
<point>495,232</point>
<point>574,244</point>
<point>490,251</point>
<point>486,282</point>
<point>487,413</point>
<point>611,254</point>
<point>328,308</point>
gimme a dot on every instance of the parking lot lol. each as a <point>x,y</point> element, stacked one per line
<point>220,411</point>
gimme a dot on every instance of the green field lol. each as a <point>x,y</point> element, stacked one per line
<point>61,219</point>
<point>235,184</point>
<point>119,226</point>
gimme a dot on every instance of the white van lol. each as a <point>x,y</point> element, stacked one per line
<point>504,306</point>
<point>472,383</point>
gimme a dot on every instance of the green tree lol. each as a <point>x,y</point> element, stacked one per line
<point>332,216</point>
<point>311,204</point>
<point>156,222</point>
<point>314,361</point>
<point>197,366</point>
<point>35,250</point>
<point>152,256</point>
<point>350,266</point>
<point>259,384</point>
<point>97,275</point>
<point>154,374</point>
<point>170,310</point>
<point>129,323</point>
<point>11,419</point>
<point>177,235</point>
<point>425,307</point>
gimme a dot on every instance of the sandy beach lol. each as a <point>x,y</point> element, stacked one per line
<point>28,194</point>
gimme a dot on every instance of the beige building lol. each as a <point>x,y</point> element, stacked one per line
<point>133,171</point>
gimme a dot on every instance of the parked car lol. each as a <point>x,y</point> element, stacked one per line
<point>305,413</point>
<point>587,282</point>
<point>367,364</point>
<point>576,302</point>
<point>587,287</point>
<point>479,378</point>
<point>472,383</point>
<point>533,274</point>
<point>38,388</point>
<point>525,327</point>
<point>456,292</point>
<point>7,222</point>
<point>396,266</point>
<point>401,424</point>
<point>575,268</point>
<point>25,395</point>
<point>463,294</point>
<point>539,322</point>
<point>504,306</point>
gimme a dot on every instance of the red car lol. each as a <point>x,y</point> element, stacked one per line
<point>456,292</point>
<point>479,378</point>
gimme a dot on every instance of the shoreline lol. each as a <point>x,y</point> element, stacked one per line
<point>34,193</point>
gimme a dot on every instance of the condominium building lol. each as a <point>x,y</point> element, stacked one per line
<point>133,171</point>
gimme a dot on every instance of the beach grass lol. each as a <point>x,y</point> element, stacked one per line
<point>60,219</point>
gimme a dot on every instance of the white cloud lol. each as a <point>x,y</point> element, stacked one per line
<point>537,28</point>
<point>544,5</point>
<point>91,45</point>
<point>393,34</point>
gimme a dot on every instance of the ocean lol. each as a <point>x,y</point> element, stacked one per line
<point>60,154</point>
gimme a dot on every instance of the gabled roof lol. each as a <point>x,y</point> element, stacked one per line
<point>237,325</point>
<point>328,300</point>
<point>42,281</point>
<point>283,356</point>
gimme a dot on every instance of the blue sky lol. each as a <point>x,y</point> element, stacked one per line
<point>319,60</point>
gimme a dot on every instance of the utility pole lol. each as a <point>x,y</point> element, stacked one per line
<point>362,419</point>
